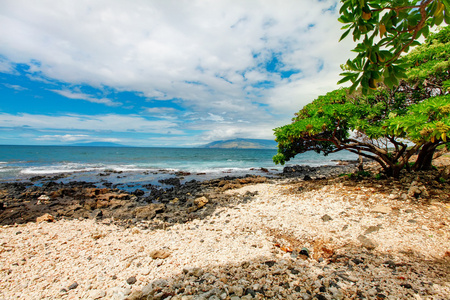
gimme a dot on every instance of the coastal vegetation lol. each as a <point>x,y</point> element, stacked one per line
<point>381,116</point>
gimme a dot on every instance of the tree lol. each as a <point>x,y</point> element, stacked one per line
<point>384,31</point>
<point>388,125</point>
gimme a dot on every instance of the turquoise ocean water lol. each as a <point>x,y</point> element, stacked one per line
<point>24,162</point>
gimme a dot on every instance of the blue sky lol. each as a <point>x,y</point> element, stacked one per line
<point>161,73</point>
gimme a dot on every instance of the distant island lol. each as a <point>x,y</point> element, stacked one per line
<point>242,144</point>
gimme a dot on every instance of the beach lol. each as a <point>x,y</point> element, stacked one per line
<point>292,237</point>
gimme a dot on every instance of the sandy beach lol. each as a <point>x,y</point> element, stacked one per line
<point>336,238</point>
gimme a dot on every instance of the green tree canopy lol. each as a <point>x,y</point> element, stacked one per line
<point>389,125</point>
<point>384,30</point>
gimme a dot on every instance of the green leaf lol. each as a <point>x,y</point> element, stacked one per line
<point>438,20</point>
<point>388,82</point>
<point>345,79</point>
<point>343,19</point>
<point>447,17</point>
<point>344,35</point>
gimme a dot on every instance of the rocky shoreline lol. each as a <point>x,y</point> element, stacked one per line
<point>174,202</point>
<point>296,237</point>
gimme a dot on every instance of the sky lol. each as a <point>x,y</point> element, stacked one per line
<point>172,73</point>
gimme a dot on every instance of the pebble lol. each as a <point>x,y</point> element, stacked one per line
<point>97,294</point>
<point>131,280</point>
<point>73,286</point>
<point>326,218</point>
<point>162,254</point>
<point>367,243</point>
<point>381,209</point>
<point>372,229</point>
<point>45,218</point>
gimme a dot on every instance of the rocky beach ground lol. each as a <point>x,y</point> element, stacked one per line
<point>309,234</point>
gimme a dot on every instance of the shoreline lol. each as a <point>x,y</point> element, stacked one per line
<point>335,238</point>
<point>172,197</point>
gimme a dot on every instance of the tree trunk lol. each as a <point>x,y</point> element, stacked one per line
<point>425,157</point>
<point>361,162</point>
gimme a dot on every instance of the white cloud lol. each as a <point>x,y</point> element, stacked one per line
<point>15,87</point>
<point>75,138</point>
<point>86,97</point>
<point>160,110</point>
<point>110,122</point>
<point>7,67</point>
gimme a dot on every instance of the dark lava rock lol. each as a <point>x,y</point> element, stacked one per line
<point>73,286</point>
<point>406,285</point>
<point>139,192</point>
<point>270,263</point>
<point>320,297</point>
<point>131,280</point>
<point>171,181</point>
<point>326,218</point>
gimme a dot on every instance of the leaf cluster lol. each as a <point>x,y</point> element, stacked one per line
<point>384,30</point>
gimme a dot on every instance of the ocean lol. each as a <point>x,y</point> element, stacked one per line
<point>120,165</point>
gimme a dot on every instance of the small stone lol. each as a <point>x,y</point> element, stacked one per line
<point>136,295</point>
<point>96,214</point>
<point>45,218</point>
<point>250,292</point>
<point>406,285</point>
<point>320,297</point>
<point>412,221</point>
<point>372,229</point>
<point>367,243</point>
<point>126,291</point>
<point>381,209</point>
<point>44,198</point>
<point>73,286</point>
<point>96,294</point>
<point>131,280</point>
<point>326,218</point>
<point>237,290</point>
<point>270,263</point>
<point>162,254</point>
<point>160,283</point>
<point>200,202</point>
<point>196,272</point>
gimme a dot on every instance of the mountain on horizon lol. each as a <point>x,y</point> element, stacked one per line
<point>242,144</point>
